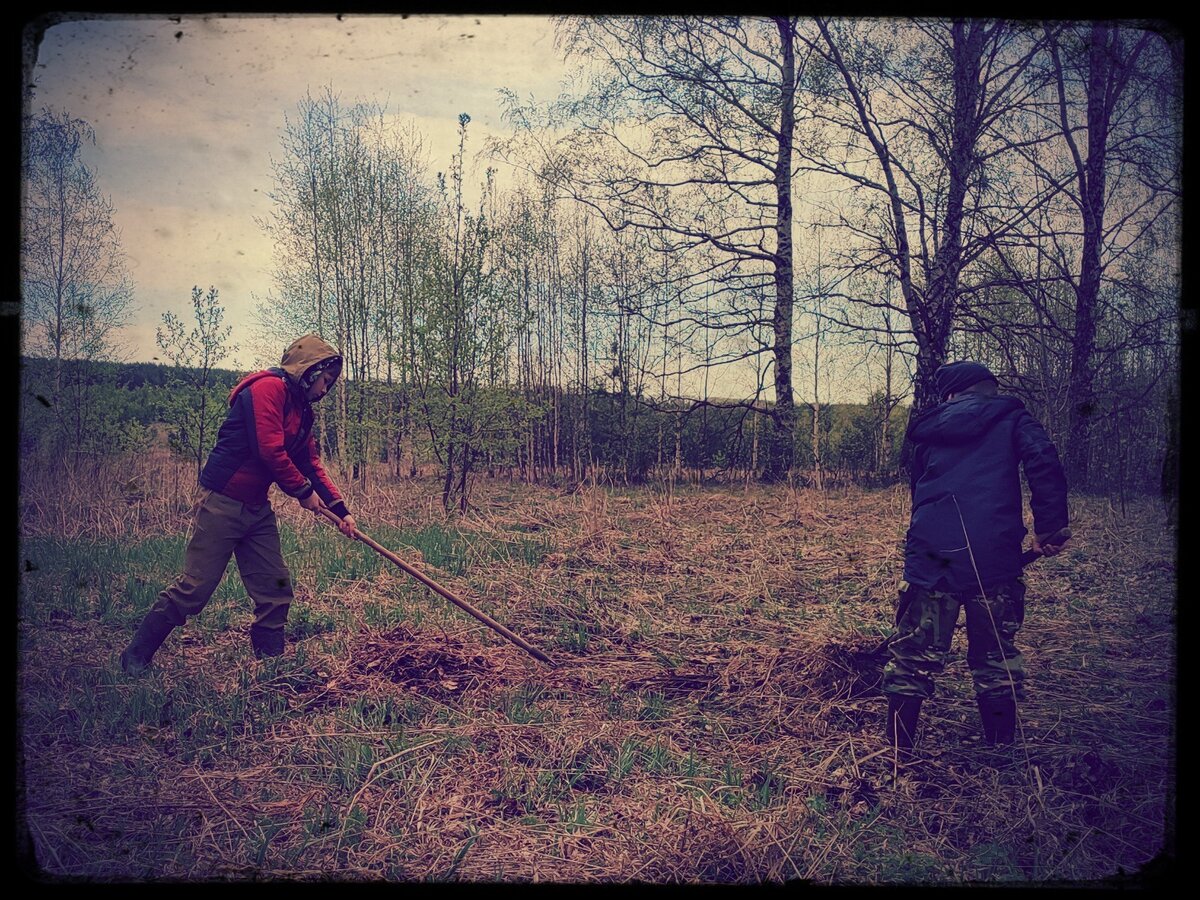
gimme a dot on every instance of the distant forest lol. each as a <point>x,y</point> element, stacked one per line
<point>127,407</point>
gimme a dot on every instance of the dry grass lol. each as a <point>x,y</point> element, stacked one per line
<point>711,715</point>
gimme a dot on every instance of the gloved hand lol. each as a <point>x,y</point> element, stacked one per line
<point>1051,544</point>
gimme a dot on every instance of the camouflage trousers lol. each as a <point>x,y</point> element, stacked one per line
<point>925,622</point>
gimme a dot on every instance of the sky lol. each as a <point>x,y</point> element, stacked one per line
<point>188,112</point>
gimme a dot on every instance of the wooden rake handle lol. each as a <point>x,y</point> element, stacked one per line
<point>437,588</point>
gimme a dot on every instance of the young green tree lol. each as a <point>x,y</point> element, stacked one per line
<point>462,333</point>
<point>193,400</point>
<point>352,234</point>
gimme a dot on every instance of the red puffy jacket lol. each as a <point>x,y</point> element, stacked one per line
<point>267,437</point>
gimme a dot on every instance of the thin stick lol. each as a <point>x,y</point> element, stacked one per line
<point>437,588</point>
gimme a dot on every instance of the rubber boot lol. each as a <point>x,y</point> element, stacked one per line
<point>902,716</point>
<point>266,643</point>
<point>154,629</point>
<point>999,717</point>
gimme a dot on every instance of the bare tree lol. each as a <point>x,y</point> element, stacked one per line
<point>1104,66</point>
<point>917,110</point>
<point>75,292</point>
<point>1079,302</point>
<point>686,135</point>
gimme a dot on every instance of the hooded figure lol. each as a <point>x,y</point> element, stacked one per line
<point>266,438</point>
<point>963,547</point>
<point>967,524</point>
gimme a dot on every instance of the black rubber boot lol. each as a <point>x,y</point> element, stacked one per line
<point>266,643</point>
<point>999,717</point>
<point>902,716</point>
<point>154,629</point>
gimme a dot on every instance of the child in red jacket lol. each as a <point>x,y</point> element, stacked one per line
<point>266,439</point>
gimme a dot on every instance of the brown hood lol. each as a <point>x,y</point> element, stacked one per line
<point>304,353</point>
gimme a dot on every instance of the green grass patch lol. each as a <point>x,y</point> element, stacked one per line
<point>521,706</point>
<point>446,547</point>
<point>111,580</point>
<point>116,581</point>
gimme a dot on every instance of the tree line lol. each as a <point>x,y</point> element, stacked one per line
<point>789,205</point>
<point>140,406</point>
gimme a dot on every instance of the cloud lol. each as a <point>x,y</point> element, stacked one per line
<point>189,112</point>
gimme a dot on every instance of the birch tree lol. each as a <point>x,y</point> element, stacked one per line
<point>917,111</point>
<point>193,403</point>
<point>685,134</point>
<point>76,293</point>
<point>1116,209</point>
<point>1082,298</point>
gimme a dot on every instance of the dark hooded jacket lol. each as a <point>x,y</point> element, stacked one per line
<point>967,524</point>
<point>267,435</point>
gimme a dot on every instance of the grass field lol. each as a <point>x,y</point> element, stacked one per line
<point>711,715</point>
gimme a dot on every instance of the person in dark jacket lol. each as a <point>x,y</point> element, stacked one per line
<point>963,548</point>
<point>266,438</point>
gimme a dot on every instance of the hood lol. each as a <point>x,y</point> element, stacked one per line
<point>304,353</point>
<point>963,419</point>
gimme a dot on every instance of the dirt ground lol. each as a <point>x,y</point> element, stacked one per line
<point>712,713</point>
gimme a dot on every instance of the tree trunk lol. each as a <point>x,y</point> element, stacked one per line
<point>1082,378</point>
<point>782,449</point>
